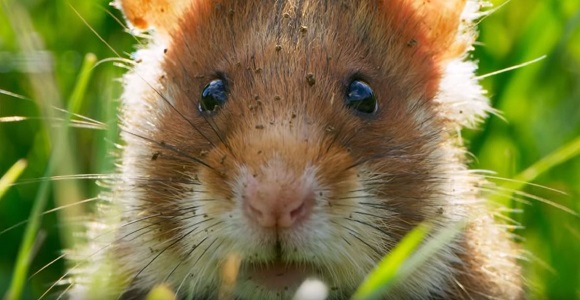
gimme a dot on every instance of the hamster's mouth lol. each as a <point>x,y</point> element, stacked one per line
<point>279,275</point>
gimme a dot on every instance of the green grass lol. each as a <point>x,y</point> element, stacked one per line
<point>11,176</point>
<point>539,142</point>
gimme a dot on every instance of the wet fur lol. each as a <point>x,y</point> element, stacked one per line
<point>173,212</point>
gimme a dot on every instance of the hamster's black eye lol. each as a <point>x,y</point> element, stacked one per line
<point>360,96</point>
<point>213,95</point>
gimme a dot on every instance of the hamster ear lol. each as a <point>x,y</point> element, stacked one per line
<point>444,22</point>
<point>158,14</point>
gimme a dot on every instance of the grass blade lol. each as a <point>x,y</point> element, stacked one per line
<point>405,259</point>
<point>386,271</point>
<point>559,156</point>
<point>78,95</point>
<point>24,253</point>
<point>11,175</point>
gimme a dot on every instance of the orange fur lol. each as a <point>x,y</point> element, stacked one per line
<point>145,14</point>
<point>287,64</point>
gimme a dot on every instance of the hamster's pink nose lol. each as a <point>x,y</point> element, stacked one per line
<point>271,203</point>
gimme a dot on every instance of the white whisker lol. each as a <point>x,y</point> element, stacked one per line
<point>512,67</point>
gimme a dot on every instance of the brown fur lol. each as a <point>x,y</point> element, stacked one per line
<point>287,64</point>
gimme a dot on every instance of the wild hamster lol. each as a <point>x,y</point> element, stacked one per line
<point>304,137</point>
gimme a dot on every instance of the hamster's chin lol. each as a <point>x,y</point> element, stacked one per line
<point>277,276</point>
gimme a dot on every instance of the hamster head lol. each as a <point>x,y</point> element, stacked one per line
<point>304,137</point>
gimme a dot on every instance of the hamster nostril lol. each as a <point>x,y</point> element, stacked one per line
<point>255,211</point>
<point>296,213</point>
<point>297,210</point>
<point>278,211</point>
<point>278,200</point>
<point>262,214</point>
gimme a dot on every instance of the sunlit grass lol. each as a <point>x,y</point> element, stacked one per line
<point>385,275</point>
<point>11,176</point>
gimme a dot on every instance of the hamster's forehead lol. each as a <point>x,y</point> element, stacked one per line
<point>411,48</point>
<point>288,39</point>
<point>434,22</point>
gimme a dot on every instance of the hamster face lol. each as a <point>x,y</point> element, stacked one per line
<point>304,137</point>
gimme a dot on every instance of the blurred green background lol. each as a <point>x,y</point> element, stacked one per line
<point>43,44</point>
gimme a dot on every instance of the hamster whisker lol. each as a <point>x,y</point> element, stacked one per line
<point>194,264</point>
<point>355,234</point>
<point>120,62</point>
<point>518,66</point>
<point>486,175</point>
<point>93,30</point>
<point>181,115</point>
<point>213,126</point>
<point>120,23</point>
<point>561,207</point>
<point>47,265</point>
<point>170,180</point>
<point>65,291</point>
<point>173,149</point>
<point>386,234</point>
<point>377,205</point>
<point>188,254</point>
<point>87,121</point>
<point>48,212</point>
<point>337,132</point>
<point>80,263</point>
<point>11,94</point>
<point>173,241</point>
<point>66,177</point>
<point>54,122</point>
<point>369,214</point>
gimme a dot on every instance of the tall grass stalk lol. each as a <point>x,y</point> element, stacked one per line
<point>62,160</point>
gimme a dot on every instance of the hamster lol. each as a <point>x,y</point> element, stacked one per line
<point>305,138</point>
